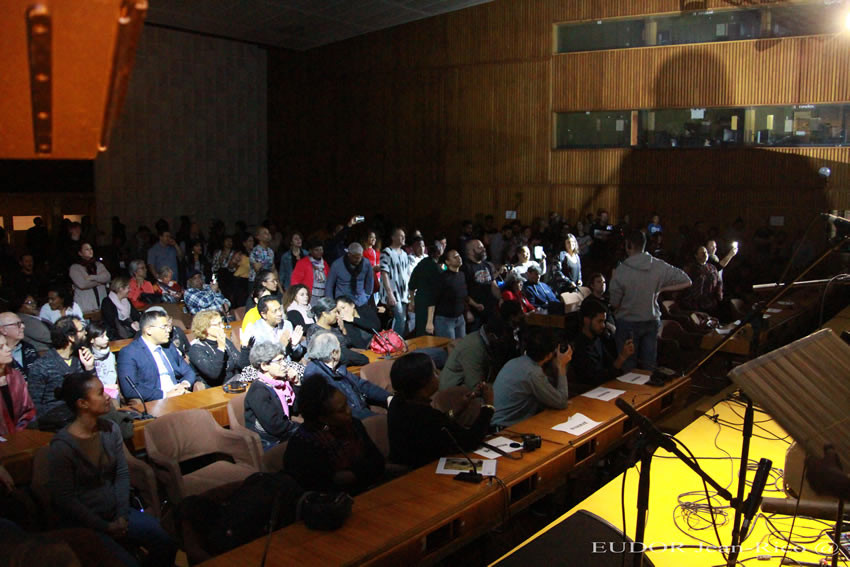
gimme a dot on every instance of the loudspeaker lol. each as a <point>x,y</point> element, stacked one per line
<point>580,540</point>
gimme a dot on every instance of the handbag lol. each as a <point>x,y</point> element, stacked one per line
<point>324,511</point>
<point>387,342</point>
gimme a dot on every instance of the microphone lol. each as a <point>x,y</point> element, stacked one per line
<point>753,501</point>
<point>272,522</point>
<point>473,477</point>
<point>145,415</point>
<point>646,426</point>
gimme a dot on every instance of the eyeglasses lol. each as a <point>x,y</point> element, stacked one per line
<point>216,323</point>
<point>278,361</point>
<point>166,327</point>
<point>19,325</point>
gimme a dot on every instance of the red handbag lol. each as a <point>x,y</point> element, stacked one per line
<point>387,342</point>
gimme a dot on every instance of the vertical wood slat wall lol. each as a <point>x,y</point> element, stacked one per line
<point>441,119</point>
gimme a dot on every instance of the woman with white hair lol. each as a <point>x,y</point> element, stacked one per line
<point>270,401</point>
<point>324,355</point>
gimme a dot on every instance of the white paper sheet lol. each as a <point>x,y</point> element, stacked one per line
<point>2,439</point>
<point>603,393</point>
<point>502,443</point>
<point>455,465</point>
<point>577,425</point>
<point>786,302</point>
<point>774,310</point>
<point>722,331</point>
<point>634,378</point>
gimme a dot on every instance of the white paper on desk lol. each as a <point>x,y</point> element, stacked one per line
<point>774,310</point>
<point>2,439</point>
<point>578,424</point>
<point>786,302</point>
<point>454,465</point>
<point>634,378</point>
<point>502,443</point>
<point>603,393</point>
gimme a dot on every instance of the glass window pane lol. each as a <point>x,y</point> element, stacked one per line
<point>606,129</point>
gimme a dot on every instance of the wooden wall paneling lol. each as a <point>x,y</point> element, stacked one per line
<point>469,147</point>
<point>824,62</point>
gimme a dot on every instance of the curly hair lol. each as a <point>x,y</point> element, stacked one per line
<point>201,322</point>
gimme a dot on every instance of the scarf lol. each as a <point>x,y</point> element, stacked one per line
<point>282,388</point>
<point>123,306</point>
<point>354,272</point>
<point>89,265</point>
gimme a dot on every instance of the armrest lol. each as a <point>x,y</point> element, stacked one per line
<point>171,469</point>
<point>242,445</point>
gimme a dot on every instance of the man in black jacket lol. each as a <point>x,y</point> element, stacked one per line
<point>594,359</point>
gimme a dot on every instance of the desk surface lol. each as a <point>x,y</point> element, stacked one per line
<point>422,514</point>
<point>670,478</point>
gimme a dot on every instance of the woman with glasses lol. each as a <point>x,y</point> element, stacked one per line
<point>16,407</point>
<point>270,401</point>
<point>36,332</point>
<point>60,302</point>
<point>213,355</point>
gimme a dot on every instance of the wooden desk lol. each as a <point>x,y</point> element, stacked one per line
<point>670,477</point>
<point>539,320</point>
<point>423,516</point>
<point>425,341</point>
<point>17,451</point>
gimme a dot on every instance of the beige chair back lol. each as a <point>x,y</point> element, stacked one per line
<point>378,373</point>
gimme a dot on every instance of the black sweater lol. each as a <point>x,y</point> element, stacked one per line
<point>417,437</point>
<point>215,366</point>
<point>264,414</point>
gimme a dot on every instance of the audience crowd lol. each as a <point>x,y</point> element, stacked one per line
<point>305,306</point>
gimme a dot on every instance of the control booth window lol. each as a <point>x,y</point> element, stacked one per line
<point>776,126</point>
<point>704,26</point>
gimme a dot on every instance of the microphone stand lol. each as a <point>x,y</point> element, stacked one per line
<point>145,415</point>
<point>654,438</point>
<point>473,477</point>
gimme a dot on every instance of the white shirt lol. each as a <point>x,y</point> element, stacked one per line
<point>51,316</point>
<point>166,384</point>
<point>263,332</point>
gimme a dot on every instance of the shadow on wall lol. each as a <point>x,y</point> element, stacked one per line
<point>719,183</point>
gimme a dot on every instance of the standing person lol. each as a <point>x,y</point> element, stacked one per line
<point>16,407</point>
<point>89,479</point>
<point>706,293</point>
<point>371,253</point>
<point>570,265</point>
<point>164,253</point>
<point>634,290</point>
<point>90,278</point>
<point>262,256</point>
<point>395,275</point>
<point>425,283</point>
<point>312,271</point>
<point>447,317</point>
<point>481,284</point>
<point>351,276</point>
<point>291,257</point>
<point>222,256</point>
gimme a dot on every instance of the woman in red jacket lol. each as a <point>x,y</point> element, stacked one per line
<point>312,271</point>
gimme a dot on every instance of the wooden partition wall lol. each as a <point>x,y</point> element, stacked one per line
<point>444,118</point>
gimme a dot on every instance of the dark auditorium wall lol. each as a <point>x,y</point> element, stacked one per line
<point>440,119</point>
<point>191,138</point>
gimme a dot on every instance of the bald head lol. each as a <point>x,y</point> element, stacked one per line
<point>475,250</point>
<point>12,328</point>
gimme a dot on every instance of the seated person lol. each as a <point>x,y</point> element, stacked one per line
<point>706,291</point>
<point>212,354</point>
<point>595,359</point>
<point>471,361</point>
<point>16,407</point>
<point>60,302</point>
<point>598,292</point>
<point>142,292</point>
<point>89,479</point>
<point>118,314</point>
<point>359,322</point>
<point>105,368</point>
<point>270,401</point>
<point>328,319</point>
<point>177,336</point>
<point>330,450</point>
<point>522,388</point>
<point>68,355</point>
<point>252,314</point>
<point>36,331</point>
<point>172,292</point>
<point>153,364</point>
<point>416,430</point>
<point>324,355</point>
<point>272,327</point>
<point>296,303</point>
<point>539,294</point>
<point>23,353</point>
<point>200,297</point>
<point>513,292</point>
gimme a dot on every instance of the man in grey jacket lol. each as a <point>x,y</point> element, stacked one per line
<point>634,290</point>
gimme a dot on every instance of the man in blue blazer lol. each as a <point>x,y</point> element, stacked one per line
<point>153,363</point>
